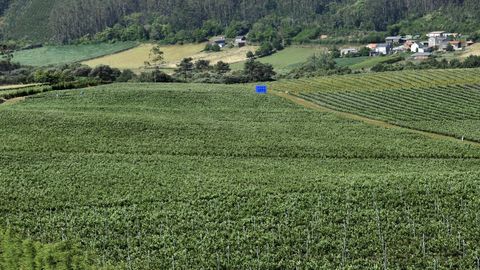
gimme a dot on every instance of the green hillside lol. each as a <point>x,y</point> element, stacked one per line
<point>265,20</point>
<point>440,101</point>
<point>214,176</point>
<point>29,19</point>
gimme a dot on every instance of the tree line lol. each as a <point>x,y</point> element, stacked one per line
<point>176,20</point>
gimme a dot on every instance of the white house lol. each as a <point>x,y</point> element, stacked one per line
<point>348,51</point>
<point>240,41</point>
<point>419,47</point>
<point>383,48</point>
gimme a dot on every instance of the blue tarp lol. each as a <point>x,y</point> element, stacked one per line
<point>261,89</point>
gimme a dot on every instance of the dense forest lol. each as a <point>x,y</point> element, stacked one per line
<point>64,21</point>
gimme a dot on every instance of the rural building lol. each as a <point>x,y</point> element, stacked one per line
<point>436,34</point>
<point>395,40</point>
<point>240,41</point>
<point>372,46</point>
<point>383,49</point>
<point>470,43</point>
<point>419,47</point>
<point>348,51</point>
<point>408,44</point>
<point>435,39</point>
<point>456,44</point>
<point>220,41</point>
<point>451,35</point>
<point>421,56</point>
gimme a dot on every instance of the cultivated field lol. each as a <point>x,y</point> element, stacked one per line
<point>54,55</point>
<point>440,101</point>
<point>135,58</point>
<point>157,176</point>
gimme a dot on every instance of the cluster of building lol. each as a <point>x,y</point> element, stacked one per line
<point>239,41</point>
<point>422,49</point>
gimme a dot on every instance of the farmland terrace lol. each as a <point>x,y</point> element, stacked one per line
<point>214,176</point>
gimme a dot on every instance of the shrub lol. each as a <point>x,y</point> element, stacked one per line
<point>104,73</point>
<point>82,71</point>
<point>127,75</point>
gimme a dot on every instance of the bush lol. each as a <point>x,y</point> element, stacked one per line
<point>212,48</point>
<point>265,50</point>
<point>76,84</point>
<point>155,76</point>
<point>105,73</point>
<point>258,72</point>
<point>127,75</point>
<point>82,71</point>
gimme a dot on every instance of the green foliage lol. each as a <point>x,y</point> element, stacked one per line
<point>126,76</point>
<point>265,49</point>
<point>318,64</point>
<point>450,110</point>
<point>236,28</point>
<point>471,61</point>
<point>185,68</point>
<point>256,71</point>
<point>221,67</point>
<point>105,73</point>
<point>151,176</point>
<point>212,47</point>
<point>155,76</point>
<point>179,21</point>
<point>17,253</point>
<point>156,57</point>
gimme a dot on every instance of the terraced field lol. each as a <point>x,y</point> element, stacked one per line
<point>158,176</point>
<point>381,81</point>
<point>441,101</point>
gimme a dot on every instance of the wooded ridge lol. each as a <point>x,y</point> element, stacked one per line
<point>66,20</point>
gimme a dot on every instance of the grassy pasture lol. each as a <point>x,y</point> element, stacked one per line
<point>135,58</point>
<point>53,55</point>
<point>472,50</point>
<point>214,176</point>
<point>287,59</point>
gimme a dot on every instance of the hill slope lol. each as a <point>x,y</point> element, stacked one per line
<point>214,176</point>
<point>69,19</point>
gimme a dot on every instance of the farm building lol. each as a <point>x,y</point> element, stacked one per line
<point>395,40</point>
<point>240,41</point>
<point>348,51</point>
<point>419,47</point>
<point>380,49</point>
<point>456,44</point>
<point>421,55</point>
<point>220,41</point>
<point>436,34</point>
<point>435,39</point>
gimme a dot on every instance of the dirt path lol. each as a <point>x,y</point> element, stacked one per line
<point>378,123</point>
